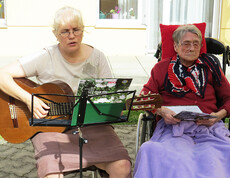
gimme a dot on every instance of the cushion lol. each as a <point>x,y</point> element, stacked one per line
<point>167,40</point>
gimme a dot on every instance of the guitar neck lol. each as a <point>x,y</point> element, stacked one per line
<point>145,102</point>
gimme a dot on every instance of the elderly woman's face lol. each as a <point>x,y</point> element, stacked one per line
<point>188,49</point>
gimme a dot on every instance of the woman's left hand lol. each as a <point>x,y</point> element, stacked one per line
<point>209,122</point>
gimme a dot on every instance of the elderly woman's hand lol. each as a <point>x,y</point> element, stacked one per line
<point>209,122</point>
<point>167,115</point>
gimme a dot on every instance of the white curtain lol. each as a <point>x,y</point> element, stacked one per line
<point>170,12</point>
<point>128,8</point>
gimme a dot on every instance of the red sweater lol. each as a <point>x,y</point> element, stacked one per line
<point>206,104</point>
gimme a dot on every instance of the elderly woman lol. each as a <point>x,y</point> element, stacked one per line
<point>68,61</point>
<point>188,149</point>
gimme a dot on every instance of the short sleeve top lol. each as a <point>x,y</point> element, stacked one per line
<point>49,65</point>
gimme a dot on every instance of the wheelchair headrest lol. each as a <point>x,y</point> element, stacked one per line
<point>214,46</point>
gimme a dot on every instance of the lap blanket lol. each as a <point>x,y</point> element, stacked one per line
<point>185,150</point>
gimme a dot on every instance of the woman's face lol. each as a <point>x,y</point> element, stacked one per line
<point>69,37</point>
<point>188,49</point>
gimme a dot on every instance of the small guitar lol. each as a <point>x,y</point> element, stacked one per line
<point>14,120</point>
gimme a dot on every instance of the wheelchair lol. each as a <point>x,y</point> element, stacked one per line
<point>147,120</point>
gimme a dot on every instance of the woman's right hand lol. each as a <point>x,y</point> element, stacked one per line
<point>167,115</point>
<point>40,109</point>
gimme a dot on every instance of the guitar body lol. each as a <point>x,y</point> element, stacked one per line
<point>14,120</point>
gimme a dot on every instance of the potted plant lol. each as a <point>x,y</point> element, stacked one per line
<point>102,15</point>
<point>115,12</point>
<point>1,9</point>
<point>131,13</point>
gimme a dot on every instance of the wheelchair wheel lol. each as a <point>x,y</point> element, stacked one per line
<point>144,129</point>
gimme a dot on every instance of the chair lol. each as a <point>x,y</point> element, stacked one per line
<point>95,172</point>
<point>147,120</point>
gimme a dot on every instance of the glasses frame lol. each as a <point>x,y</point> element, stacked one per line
<point>189,44</point>
<point>75,32</point>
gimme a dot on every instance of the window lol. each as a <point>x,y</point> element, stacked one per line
<point>2,13</point>
<point>118,9</point>
<point>122,13</point>
<point>181,12</point>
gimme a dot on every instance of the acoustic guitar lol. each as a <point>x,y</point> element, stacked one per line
<point>14,121</point>
<point>15,116</point>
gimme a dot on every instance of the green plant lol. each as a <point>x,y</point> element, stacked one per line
<point>131,12</point>
<point>133,117</point>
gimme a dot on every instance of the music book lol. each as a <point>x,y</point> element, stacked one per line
<point>108,96</point>
<point>189,113</point>
<point>193,116</point>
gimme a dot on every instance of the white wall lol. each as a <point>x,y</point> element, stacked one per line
<point>29,29</point>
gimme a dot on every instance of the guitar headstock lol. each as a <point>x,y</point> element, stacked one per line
<point>144,102</point>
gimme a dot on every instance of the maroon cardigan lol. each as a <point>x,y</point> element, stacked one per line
<point>207,104</point>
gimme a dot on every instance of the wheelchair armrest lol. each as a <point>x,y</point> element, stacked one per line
<point>148,116</point>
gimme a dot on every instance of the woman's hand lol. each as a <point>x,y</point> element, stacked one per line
<point>167,115</point>
<point>209,122</point>
<point>40,109</point>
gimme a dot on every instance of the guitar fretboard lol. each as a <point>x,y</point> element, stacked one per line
<point>60,108</point>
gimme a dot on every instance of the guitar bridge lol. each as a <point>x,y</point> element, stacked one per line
<point>12,111</point>
<point>13,115</point>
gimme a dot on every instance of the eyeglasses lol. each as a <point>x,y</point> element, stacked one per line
<point>76,32</point>
<point>188,44</point>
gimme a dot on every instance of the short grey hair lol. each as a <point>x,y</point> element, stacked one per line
<point>183,29</point>
<point>66,15</point>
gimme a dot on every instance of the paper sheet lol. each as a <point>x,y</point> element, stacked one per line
<point>178,109</point>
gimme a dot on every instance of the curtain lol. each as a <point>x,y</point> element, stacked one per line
<point>170,12</point>
<point>129,9</point>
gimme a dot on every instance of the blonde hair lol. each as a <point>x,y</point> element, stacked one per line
<point>66,15</point>
<point>181,30</point>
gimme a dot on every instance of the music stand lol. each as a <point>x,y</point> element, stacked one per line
<point>79,120</point>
